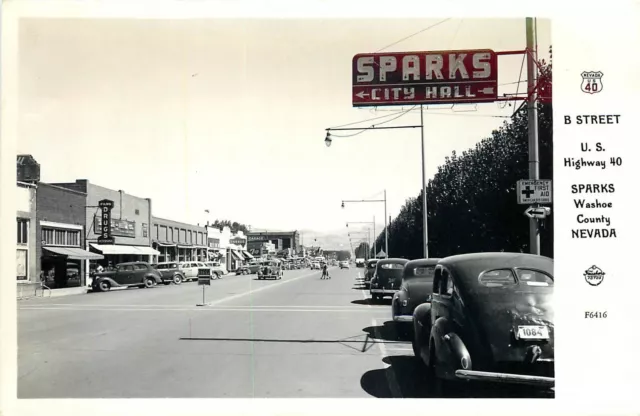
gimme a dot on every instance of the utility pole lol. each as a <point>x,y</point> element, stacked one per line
<point>532,123</point>
<point>386,225</point>
<point>425,232</point>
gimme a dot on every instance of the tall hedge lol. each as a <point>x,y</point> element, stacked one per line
<point>471,200</point>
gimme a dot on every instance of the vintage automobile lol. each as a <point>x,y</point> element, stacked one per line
<point>387,277</point>
<point>490,319</point>
<point>416,288</point>
<point>344,264</point>
<point>249,268</point>
<point>270,269</point>
<point>170,272</point>
<point>217,270</point>
<point>370,269</point>
<point>138,274</point>
<point>360,263</point>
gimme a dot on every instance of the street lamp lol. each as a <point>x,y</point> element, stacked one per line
<point>386,228</point>
<point>425,233</point>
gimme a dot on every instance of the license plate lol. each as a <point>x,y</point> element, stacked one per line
<point>533,332</point>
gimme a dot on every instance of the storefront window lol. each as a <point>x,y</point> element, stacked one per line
<point>21,261</point>
<point>58,237</point>
<point>23,231</point>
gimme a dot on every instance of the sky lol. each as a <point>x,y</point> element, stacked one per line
<point>230,115</point>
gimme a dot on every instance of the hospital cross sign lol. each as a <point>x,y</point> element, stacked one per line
<point>439,77</point>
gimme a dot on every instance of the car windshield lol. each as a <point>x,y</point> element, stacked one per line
<point>390,270</point>
<point>422,272</point>
<point>507,278</point>
<point>534,278</point>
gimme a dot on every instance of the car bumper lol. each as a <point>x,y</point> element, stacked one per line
<point>383,291</point>
<point>537,381</point>
<point>403,318</point>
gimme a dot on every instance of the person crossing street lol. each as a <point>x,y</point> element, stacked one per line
<point>325,272</point>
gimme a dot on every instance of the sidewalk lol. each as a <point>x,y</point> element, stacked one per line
<point>32,290</point>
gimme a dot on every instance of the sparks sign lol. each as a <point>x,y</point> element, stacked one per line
<point>442,77</point>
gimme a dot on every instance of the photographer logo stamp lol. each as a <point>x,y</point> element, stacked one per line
<point>591,82</point>
<point>594,275</point>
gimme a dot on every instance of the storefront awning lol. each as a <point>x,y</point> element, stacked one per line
<point>148,251</point>
<point>119,249</point>
<point>247,254</point>
<point>184,246</point>
<point>236,255</point>
<point>74,253</point>
<point>165,244</point>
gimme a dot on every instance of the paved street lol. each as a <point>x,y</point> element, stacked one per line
<point>298,337</point>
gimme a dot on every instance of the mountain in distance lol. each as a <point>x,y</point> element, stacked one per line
<point>328,240</point>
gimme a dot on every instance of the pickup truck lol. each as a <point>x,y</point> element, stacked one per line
<point>170,272</point>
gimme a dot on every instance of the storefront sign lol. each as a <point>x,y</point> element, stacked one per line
<point>104,230</point>
<point>144,230</point>
<point>238,241</point>
<point>122,228</point>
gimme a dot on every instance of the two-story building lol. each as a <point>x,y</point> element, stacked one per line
<point>178,241</point>
<point>61,232</point>
<point>27,267</point>
<point>130,223</point>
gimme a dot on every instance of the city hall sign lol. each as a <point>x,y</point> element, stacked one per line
<point>441,77</point>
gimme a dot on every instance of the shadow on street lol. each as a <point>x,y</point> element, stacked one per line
<point>369,301</point>
<point>390,331</point>
<point>406,378</point>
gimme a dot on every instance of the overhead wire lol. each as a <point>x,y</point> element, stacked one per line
<point>412,35</point>
<point>374,125</point>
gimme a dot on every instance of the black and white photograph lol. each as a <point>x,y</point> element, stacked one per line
<point>229,207</point>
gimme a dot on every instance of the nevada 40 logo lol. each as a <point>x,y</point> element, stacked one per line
<point>591,82</point>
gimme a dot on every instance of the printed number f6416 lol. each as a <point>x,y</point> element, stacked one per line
<point>595,315</point>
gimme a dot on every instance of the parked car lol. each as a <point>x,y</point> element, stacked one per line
<point>139,274</point>
<point>369,271</point>
<point>170,272</point>
<point>249,268</point>
<point>315,265</point>
<point>416,288</point>
<point>387,278</point>
<point>189,269</point>
<point>218,268</point>
<point>360,263</point>
<point>491,318</point>
<point>270,269</point>
<point>344,264</point>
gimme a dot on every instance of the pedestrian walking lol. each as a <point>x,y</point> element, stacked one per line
<point>325,272</point>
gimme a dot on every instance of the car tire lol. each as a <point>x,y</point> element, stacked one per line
<point>216,275</point>
<point>177,280</point>
<point>104,286</point>
<point>149,282</point>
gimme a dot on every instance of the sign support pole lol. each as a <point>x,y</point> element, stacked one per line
<point>532,125</point>
<point>425,233</point>
<point>386,226</point>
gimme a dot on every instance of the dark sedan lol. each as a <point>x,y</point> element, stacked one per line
<point>387,277</point>
<point>370,269</point>
<point>416,288</point>
<point>490,319</point>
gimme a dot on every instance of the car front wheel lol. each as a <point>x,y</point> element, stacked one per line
<point>177,280</point>
<point>104,286</point>
<point>149,282</point>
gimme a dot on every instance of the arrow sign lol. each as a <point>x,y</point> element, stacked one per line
<point>362,94</point>
<point>487,90</point>
<point>539,212</point>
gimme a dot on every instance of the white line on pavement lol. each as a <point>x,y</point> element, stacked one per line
<point>388,371</point>
<point>85,305</point>
<point>205,309</point>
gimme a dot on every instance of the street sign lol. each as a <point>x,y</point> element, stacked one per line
<point>534,191</point>
<point>106,240</point>
<point>537,212</point>
<point>204,277</point>
<point>437,77</point>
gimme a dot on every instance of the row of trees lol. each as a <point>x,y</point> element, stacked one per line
<point>471,200</point>
<point>234,226</point>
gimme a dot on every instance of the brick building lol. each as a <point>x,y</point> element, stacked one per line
<point>60,246</point>
<point>130,223</point>
<point>282,240</point>
<point>178,241</point>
